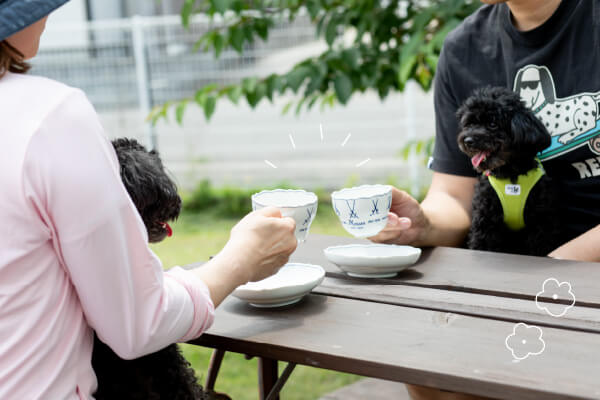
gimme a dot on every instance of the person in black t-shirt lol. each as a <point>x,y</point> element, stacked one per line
<point>548,51</point>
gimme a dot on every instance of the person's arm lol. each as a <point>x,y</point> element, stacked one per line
<point>585,247</point>
<point>444,217</point>
<point>72,179</point>
<point>71,175</point>
<point>448,209</point>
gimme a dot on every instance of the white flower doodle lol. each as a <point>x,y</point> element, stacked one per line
<point>524,341</point>
<point>552,288</point>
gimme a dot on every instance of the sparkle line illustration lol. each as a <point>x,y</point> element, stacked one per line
<point>321,129</point>
<point>292,140</point>
<point>270,164</point>
<point>346,140</point>
<point>360,164</point>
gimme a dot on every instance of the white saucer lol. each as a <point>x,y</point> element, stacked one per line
<point>372,260</point>
<point>292,282</point>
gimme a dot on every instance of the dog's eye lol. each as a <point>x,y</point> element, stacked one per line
<point>492,125</point>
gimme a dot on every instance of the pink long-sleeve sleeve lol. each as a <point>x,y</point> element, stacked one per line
<point>77,257</point>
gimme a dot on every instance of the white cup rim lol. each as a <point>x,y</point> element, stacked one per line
<point>314,198</point>
<point>338,194</point>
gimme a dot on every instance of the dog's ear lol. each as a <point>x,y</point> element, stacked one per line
<point>460,113</point>
<point>529,133</point>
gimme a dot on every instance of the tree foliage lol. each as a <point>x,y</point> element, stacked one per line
<point>391,42</point>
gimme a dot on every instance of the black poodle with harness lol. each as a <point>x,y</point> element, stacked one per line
<point>515,204</point>
<point>165,374</point>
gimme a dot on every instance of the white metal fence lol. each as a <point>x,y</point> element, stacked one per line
<point>107,63</point>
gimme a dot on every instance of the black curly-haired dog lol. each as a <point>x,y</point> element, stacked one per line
<point>502,137</point>
<point>165,374</point>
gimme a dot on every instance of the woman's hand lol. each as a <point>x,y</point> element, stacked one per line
<point>407,223</point>
<point>259,245</point>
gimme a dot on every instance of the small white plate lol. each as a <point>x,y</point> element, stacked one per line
<point>292,282</point>
<point>372,260</point>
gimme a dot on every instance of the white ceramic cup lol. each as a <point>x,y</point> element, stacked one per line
<point>297,204</point>
<point>363,210</point>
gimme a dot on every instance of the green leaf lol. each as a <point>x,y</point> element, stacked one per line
<point>262,28</point>
<point>275,83</point>
<point>287,107</point>
<point>299,106</point>
<point>236,38</point>
<point>296,76</point>
<point>406,70</point>
<point>249,84</point>
<point>406,149</point>
<point>186,12</point>
<point>432,61</point>
<point>249,33</point>
<point>424,76</point>
<point>221,6</point>
<point>271,84</point>
<point>350,57</point>
<point>209,106</point>
<point>317,76</point>
<point>419,146</point>
<point>331,31</point>
<point>255,96</point>
<point>313,8</point>
<point>200,98</point>
<point>421,20</point>
<point>343,87</point>
<point>313,100</point>
<point>218,44</point>
<point>320,24</point>
<point>160,112</point>
<point>412,46</point>
<point>234,93</point>
<point>209,88</point>
<point>179,111</point>
<point>429,146</point>
<point>200,42</point>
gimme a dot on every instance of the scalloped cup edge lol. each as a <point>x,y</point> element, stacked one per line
<point>313,201</point>
<point>338,193</point>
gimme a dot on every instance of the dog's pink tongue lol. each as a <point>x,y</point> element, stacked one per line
<point>478,158</point>
<point>169,230</point>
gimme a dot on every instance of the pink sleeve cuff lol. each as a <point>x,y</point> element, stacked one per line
<point>204,309</point>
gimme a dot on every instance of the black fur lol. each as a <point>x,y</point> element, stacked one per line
<point>152,191</point>
<point>165,374</point>
<point>495,121</point>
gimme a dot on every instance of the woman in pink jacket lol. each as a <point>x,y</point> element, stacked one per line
<point>73,250</point>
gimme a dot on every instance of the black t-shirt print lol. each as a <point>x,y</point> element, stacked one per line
<point>556,70</point>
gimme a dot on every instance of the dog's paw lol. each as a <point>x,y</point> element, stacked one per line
<point>566,138</point>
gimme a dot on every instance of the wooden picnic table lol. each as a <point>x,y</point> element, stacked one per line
<point>442,323</point>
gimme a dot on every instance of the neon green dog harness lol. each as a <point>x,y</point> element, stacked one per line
<point>513,196</point>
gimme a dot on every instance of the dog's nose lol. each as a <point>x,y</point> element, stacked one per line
<point>469,141</point>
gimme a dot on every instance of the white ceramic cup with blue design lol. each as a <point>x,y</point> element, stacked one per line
<point>363,210</point>
<point>297,204</point>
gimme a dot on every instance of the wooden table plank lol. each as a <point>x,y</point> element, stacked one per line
<point>438,349</point>
<point>583,319</point>
<point>469,271</point>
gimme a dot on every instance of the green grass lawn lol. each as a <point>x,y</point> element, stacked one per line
<point>200,235</point>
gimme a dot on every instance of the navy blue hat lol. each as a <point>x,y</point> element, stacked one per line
<point>18,14</point>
